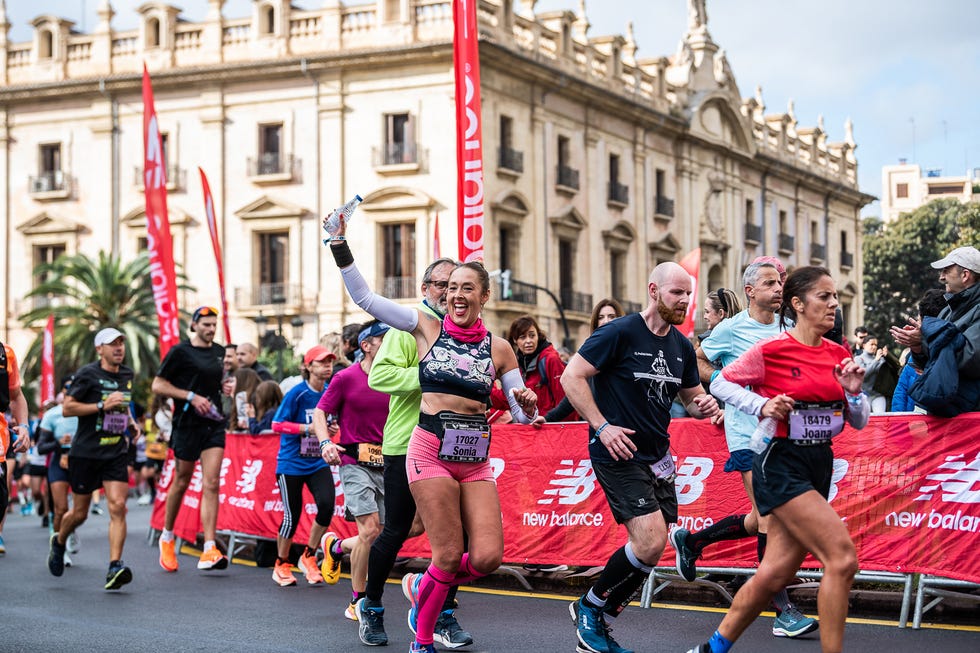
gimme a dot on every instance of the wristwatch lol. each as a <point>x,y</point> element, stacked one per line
<point>100,405</point>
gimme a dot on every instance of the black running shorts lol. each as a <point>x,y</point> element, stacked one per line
<point>189,443</point>
<point>633,491</point>
<point>86,475</point>
<point>785,470</point>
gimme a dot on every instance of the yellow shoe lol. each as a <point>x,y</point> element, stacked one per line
<point>212,559</point>
<point>307,565</point>
<point>168,556</point>
<point>351,611</point>
<point>282,573</point>
<point>331,565</point>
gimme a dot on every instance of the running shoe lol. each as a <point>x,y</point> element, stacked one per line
<point>793,623</point>
<point>56,556</point>
<point>97,509</point>
<point>449,633</point>
<point>282,573</point>
<point>73,544</point>
<point>45,520</point>
<point>685,558</point>
<point>307,565</point>
<point>145,499</point>
<point>549,568</point>
<point>591,629</point>
<point>168,555</point>
<point>421,648</point>
<point>351,611</point>
<point>371,624</point>
<point>67,559</point>
<point>212,559</point>
<point>702,648</point>
<point>331,565</point>
<point>410,588</point>
<point>3,547</point>
<point>117,576</point>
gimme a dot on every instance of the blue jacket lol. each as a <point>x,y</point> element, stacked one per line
<point>942,389</point>
<point>901,401</point>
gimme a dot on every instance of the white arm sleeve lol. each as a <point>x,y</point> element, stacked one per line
<point>403,318</point>
<point>740,397</point>
<point>859,412</point>
<point>513,381</point>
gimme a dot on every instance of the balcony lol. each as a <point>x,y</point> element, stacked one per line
<point>396,158</point>
<point>49,185</point>
<point>576,301</point>
<point>176,178</point>
<point>567,180</point>
<point>787,244</point>
<point>273,168</point>
<point>510,160</point>
<point>663,208</point>
<point>286,296</point>
<point>399,287</point>
<point>753,233</point>
<point>520,292</point>
<point>818,253</point>
<point>619,194</point>
<point>630,307</point>
<point>847,260</point>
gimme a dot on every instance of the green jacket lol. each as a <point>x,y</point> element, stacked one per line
<point>396,372</point>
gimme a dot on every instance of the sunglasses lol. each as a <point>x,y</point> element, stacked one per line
<point>204,311</point>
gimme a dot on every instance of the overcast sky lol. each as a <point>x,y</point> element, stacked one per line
<point>906,71</point>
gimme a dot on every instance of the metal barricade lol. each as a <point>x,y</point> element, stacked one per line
<point>937,586</point>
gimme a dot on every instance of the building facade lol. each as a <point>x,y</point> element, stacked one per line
<point>598,164</point>
<point>905,188</point>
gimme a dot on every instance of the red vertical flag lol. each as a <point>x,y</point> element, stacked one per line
<point>692,264</point>
<point>216,246</point>
<point>436,247</point>
<point>47,363</point>
<point>469,132</point>
<point>162,275</point>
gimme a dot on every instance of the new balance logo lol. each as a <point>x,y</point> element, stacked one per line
<point>572,483</point>
<point>958,479</point>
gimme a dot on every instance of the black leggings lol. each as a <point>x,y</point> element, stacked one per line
<point>399,515</point>
<point>321,487</point>
<point>4,490</point>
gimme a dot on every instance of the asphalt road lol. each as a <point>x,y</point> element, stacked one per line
<point>241,610</point>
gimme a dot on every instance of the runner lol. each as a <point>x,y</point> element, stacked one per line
<point>191,374</point>
<point>54,437</point>
<point>728,340</point>
<point>13,436</point>
<point>638,364</point>
<point>798,378</point>
<point>448,459</point>
<point>99,397</point>
<point>298,464</point>
<point>360,415</point>
<point>396,372</point>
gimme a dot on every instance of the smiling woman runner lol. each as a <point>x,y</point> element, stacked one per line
<point>447,463</point>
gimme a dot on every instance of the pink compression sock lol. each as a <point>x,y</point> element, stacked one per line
<point>466,573</point>
<point>433,589</point>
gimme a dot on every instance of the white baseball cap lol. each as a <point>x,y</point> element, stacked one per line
<point>965,257</point>
<point>108,335</point>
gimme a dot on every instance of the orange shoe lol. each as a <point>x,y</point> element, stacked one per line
<point>168,556</point>
<point>282,573</point>
<point>307,565</point>
<point>331,565</point>
<point>212,559</point>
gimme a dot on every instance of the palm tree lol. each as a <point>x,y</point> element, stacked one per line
<point>86,295</point>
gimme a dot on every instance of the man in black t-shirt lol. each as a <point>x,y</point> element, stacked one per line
<point>99,397</point>
<point>638,364</point>
<point>191,374</point>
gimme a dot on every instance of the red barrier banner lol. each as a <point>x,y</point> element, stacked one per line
<point>907,486</point>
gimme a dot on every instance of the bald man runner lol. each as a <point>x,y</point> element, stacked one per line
<point>638,364</point>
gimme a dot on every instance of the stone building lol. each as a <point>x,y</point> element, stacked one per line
<point>904,188</point>
<point>598,163</point>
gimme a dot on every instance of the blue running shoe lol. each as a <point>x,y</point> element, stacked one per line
<point>371,624</point>
<point>449,633</point>
<point>793,623</point>
<point>410,588</point>
<point>591,629</point>
<point>421,648</point>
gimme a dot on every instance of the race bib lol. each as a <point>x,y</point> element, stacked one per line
<point>664,468</point>
<point>115,422</point>
<point>309,446</point>
<point>369,455</point>
<point>465,445</point>
<point>818,422</point>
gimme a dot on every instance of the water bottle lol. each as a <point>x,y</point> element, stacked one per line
<point>763,435</point>
<point>332,224</point>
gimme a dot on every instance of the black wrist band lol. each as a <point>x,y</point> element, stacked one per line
<point>341,253</point>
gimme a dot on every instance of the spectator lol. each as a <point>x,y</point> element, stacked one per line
<point>348,342</point>
<point>246,381</point>
<point>719,305</point>
<point>931,304</point>
<point>262,407</point>
<point>335,343</point>
<point>872,358</point>
<point>960,271</point>
<point>538,361</point>
<point>248,355</point>
<point>860,333</point>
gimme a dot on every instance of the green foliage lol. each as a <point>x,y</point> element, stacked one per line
<point>290,362</point>
<point>897,257</point>
<point>86,295</point>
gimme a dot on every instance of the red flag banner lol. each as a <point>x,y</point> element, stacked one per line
<point>436,248</point>
<point>692,264</point>
<point>162,276</point>
<point>908,488</point>
<point>216,246</point>
<point>469,131</point>
<point>47,363</point>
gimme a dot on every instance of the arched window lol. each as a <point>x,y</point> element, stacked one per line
<point>45,44</point>
<point>268,20</point>
<point>153,33</point>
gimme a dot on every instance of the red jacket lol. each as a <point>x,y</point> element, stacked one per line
<point>548,390</point>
